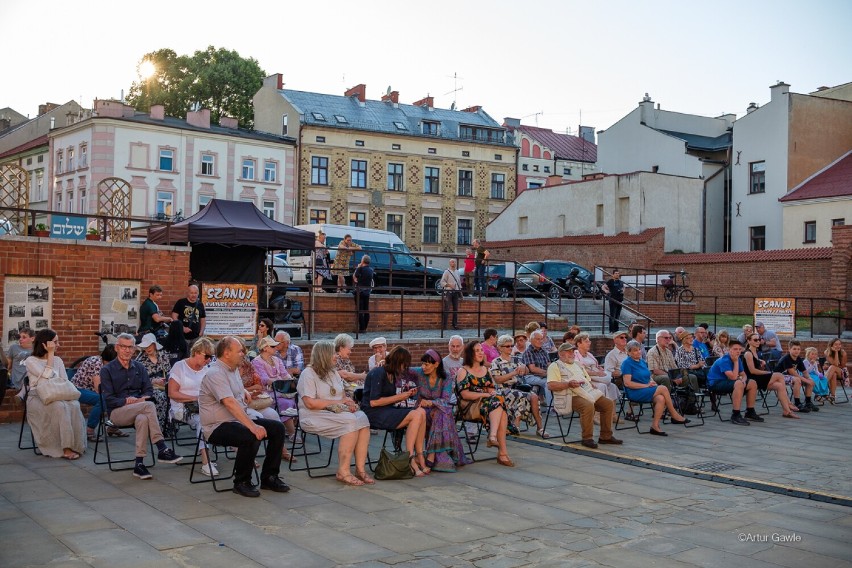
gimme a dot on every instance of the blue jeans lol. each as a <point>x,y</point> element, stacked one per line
<point>92,398</point>
<point>479,281</point>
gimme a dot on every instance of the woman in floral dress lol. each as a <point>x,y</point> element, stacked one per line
<point>443,447</point>
<point>158,367</point>
<point>477,393</point>
<point>505,372</point>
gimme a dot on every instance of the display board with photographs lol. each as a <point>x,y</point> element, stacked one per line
<point>28,305</point>
<point>119,306</point>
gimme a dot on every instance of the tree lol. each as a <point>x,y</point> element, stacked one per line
<point>216,79</point>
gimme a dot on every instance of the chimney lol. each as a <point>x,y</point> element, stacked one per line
<point>109,109</point>
<point>778,90</point>
<point>392,97</point>
<point>751,108</point>
<point>359,90</point>
<point>199,118</point>
<point>587,133</point>
<point>158,112</point>
<point>425,102</point>
<point>474,108</point>
<point>46,107</point>
<point>275,80</point>
<point>509,122</point>
<point>553,180</point>
<point>5,123</point>
<point>229,122</point>
<point>646,106</point>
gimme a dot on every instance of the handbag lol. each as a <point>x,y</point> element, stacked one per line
<point>393,466</point>
<point>260,402</point>
<point>56,388</point>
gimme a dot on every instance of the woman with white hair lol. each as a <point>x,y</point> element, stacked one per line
<point>343,345</point>
<point>639,387</point>
<point>506,371</point>
<point>601,378</point>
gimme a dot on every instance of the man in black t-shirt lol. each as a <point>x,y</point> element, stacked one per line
<point>792,366</point>
<point>190,311</point>
<point>616,296</point>
<point>363,279</point>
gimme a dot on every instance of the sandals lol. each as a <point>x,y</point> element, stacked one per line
<point>71,457</point>
<point>349,479</point>
<point>362,475</point>
<point>412,463</point>
<point>288,457</point>
<point>542,433</point>
<point>426,469</point>
<point>492,442</point>
<point>93,437</point>
<point>116,433</point>
<point>504,459</point>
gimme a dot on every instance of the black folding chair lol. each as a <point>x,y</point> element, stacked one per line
<point>32,446</point>
<point>462,407</point>
<point>104,425</point>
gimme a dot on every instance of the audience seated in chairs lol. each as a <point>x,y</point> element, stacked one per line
<point>536,359</point>
<point>813,369</point>
<point>325,410</point>
<point>601,379</point>
<point>758,371</point>
<point>390,405</point>
<point>661,360</point>
<point>343,345</point>
<point>184,384</point>
<point>479,400</point>
<point>88,380</point>
<point>792,366</point>
<point>58,427</point>
<point>290,353</point>
<point>835,357</point>
<point>616,356</point>
<point>269,369</point>
<point>157,365</point>
<point>443,448</point>
<point>573,390</point>
<point>639,387</point>
<point>720,344</point>
<point>223,405</point>
<point>689,358</point>
<point>727,376</point>
<point>127,392</point>
<point>521,404</point>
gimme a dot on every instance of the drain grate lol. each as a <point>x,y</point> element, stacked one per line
<point>713,467</point>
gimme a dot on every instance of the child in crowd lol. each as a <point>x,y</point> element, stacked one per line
<point>812,367</point>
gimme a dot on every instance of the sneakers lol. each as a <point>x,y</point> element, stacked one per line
<point>141,472</point>
<point>753,417</point>
<point>209,469</point>
<point>246,489</point>
<point>290,412</point>
<point>811,407</point>
<point>168,456</point>
<point>739,420</point>
<point>803,407</point>
<point>274,483</point>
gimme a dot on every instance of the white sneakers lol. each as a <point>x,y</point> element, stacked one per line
<point>290,412</point>
<point>209,469</point>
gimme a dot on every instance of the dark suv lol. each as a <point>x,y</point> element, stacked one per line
<point>555,278</point>
<point>408,272</point>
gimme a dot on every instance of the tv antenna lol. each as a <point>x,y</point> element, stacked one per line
<point>536,115</point>
<point>455,90</point>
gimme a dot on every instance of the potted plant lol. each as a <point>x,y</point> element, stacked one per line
<point>93,234</point>
<point>41,230</point>
<point>826,322</point>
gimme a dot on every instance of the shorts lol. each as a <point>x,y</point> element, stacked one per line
<point>722,387</point>
<point>789,379</point>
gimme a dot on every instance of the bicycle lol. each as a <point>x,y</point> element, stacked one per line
<point>675,291</point>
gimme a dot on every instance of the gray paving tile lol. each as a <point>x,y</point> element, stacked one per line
<point>25,543</point>
<point>435,522</point>
<point>710,557</point>
<point>398,538</point>
<point>211,555</point>
<point>796,558</point>
<point>116,548</point>
<point>339,516</point>
<point>364,499</point>
<point>82,483</point>
<point>159,530</point>
<point>338,546</point>
<point>14,472</point>
<point>33,490</point>
<point>64,515</point>
<point>619,557</point>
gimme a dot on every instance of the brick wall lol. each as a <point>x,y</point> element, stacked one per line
<point>77,268</point>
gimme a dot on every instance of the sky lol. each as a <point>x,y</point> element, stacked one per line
<point>551,63</point>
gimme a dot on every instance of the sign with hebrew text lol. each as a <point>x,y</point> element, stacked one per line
<point>68,227</point>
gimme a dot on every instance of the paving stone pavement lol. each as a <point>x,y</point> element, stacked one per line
<point>556,508</point>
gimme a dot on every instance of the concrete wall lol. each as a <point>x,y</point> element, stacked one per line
<point>797,213</point>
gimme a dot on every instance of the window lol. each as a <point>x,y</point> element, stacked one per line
<point>430,230</point>
<point>396,146</point>
<point>432,150</point>
<point>359,142</point>
<point>69,203</point>
<point>810,232</point>
<point>269,209</point>
<point>523,225</point>
<point>71,159</point>
<point>358,174</point>
<point>838,222</point>
<point>395,177</point>
<point>535,168</point>
<point>757,178</point>
<point>165,202</point>
<point>58,201</point>
<point>430,184</point>
<point>270,172</point>
<point>84,156</point>
<point>285,124</point>
<point>400,126</point>
<point>318,216</point>
<point>465,153</point>
<point>340,119</point>
<point>566,171</point>
<point>599,213</point>
<point>498,186</point>
<point>757,236</point>
<point>318,116</point>
<point>29,161</point>
<point>357,219</point>
<point>465,231</point>
<point>430,128</point>
<point>84,202</point>
<point>203,200</point>
<point>59,162</point>
<point>525,167</point>
<point>481,134</point>
<point>394,224</point>
<point>40,159</point>
<point>533,184</point>
<point>547,169</point>
<point>167,158</point>
<point>466,183</point>
<point>207,164</point>
<point>498,157</point>
<point>39,186</point>
<point>248,169</point>
<point>320,139</point>
<point>319,170</point>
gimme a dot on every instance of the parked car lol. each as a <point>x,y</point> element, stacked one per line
<point>499,282</point>
<point>555,278</point>
<point>407,271</point>
<point>277,269</point>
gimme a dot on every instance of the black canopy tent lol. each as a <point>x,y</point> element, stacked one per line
<point>229,241</point>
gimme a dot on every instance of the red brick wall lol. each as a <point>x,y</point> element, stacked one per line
<point>77,268</point>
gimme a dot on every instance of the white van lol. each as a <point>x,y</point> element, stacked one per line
<point>300,260</point>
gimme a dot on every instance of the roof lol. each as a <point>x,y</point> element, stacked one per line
<point>565,146</point>
<point>704,143</point>
<point>381,116</point>
<point>834,180</point>
<point>747,256</point>
<point>35,143</point>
